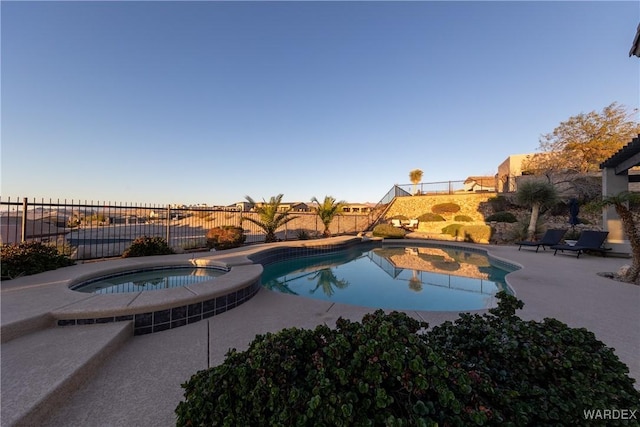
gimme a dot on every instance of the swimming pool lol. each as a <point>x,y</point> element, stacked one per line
<point>427,278</point>
<point>149,279</point>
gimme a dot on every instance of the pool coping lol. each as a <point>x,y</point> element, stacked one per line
<point>558,287</point>
<point>159,310</point>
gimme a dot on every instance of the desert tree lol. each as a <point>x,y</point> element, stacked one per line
<point>415,176</point>
<point>536,194</point>
<point>580,143</point>
<point>620,202</point>
<point>270,216</point>
<point>327,211</point>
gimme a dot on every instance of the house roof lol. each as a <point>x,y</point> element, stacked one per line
<point>635,47</point>
<point>625,158</point>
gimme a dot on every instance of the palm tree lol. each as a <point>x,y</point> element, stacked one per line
<point>536,195</point>
<point>271,217</point>
<point>620,203</point>
<point>415,176</point>
<point>326,281</point>
<point>327,211</point>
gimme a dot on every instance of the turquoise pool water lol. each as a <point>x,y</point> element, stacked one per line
<point>401,278</point>
<point>148,280</point>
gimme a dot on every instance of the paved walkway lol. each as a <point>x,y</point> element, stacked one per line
<point>139,385</point>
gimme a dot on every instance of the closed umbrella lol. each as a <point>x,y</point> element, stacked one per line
<point>574,209</point>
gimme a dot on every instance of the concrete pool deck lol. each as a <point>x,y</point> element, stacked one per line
<point>105,376</point>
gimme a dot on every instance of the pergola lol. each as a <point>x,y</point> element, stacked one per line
<point>615,179</point>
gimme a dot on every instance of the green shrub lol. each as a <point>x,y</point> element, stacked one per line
<point>463,218</point>
<point>452,229</point>
<point>520,230</point>
<point>147,246</point>
<point>498,203</point>
<point>378,372</point>
<point>388,231</point>
<point>502,217</point>
<point>469,233</point>
<point>28,258</point>
<point>445,208</point>
<point>303,234</point>
<point>476,233</point>
<point>535,373</point>
<point>225,237</point>
<point>390,369</point>
<point>430,217</point>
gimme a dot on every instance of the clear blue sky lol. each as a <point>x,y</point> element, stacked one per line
<point>206,102</point>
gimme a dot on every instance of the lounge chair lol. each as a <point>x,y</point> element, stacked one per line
<point>551,237</point>
<point>396,223</point>
<point>589,240</point>
<point>412,224</point>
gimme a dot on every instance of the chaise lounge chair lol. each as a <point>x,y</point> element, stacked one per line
<point>589,240</point>
<point>551,237</point>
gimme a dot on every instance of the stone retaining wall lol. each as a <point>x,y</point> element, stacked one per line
<point>473,205</point>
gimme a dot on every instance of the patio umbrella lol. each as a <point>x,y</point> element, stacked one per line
<point>573,212</point>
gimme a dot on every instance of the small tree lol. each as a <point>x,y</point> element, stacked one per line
<point>582,142</point>
<point>271,217</point>
<point>327,211</point>
<point>536,195</point>
<point>620,203</point>
<point>415,176</point>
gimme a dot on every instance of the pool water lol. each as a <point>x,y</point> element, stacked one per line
<point>148,280</point>
<point>400,278</point>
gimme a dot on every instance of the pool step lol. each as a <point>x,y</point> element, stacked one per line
<point>42,369</point>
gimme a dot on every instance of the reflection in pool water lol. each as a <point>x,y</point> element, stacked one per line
<point>148,280</point>
<point>401,278</point>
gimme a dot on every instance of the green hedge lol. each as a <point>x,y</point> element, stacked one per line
<point>430,217</point>
<point>463,218</point>
<point>445,208</point>
<point>390,369</point>
<point>453,229</point>
<point>469,233</point>
<point>388,231</point>
<point>502,217</point>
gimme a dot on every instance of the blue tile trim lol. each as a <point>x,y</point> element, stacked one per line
<point>156,321</point>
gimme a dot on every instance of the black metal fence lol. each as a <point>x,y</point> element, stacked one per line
<point>427,188</point>
<point>89,230</point>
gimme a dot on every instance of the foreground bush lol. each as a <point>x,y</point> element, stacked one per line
<point>28,258</point>
<point>225,237</point>
<point>147,246</point>
<point>388,231</point>
<point>494,369</point>
<point>535,373</point>
<point>374,373</point>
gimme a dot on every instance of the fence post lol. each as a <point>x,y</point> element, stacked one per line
<point>23,227</point>
<point>168,224</point>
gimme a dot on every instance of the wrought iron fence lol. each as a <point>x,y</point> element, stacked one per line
<point>88,230</point>
<point>426,188</point>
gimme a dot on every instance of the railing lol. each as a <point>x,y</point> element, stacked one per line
<point>425,188</point>
<point>91,230</point>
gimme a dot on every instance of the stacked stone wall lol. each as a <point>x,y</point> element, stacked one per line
<point>473,205</point>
